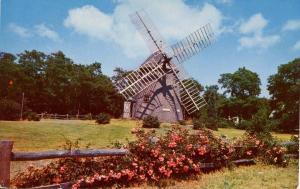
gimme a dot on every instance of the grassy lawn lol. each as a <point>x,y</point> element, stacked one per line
<point>255,177</point>
<point>51,134</point>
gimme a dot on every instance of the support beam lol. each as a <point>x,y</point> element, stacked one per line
<point>5,155</point>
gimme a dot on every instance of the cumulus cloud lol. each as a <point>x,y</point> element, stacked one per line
<point>259,41</point>
<point>255,24</point>
<point>252,33</point>
<point>43,31</point>
<point>19,30</point>
<point>173,18</point>
<point>224,1</point>
<point>297,45</point>
<point>291,25</point>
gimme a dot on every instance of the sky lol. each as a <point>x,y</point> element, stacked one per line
<point>258,35</point>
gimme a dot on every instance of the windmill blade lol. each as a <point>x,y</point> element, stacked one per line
<point>192,44</point>
<point>138,80</point>
<point>187,90</point>
<point>149,32</point>
<point>190,96</point>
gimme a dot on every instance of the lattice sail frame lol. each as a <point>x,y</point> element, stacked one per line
<point>153,69</point>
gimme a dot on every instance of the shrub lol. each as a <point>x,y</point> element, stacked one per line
<point>182,122</point>
<point>244,124</point>
<point>9,110</point>
<point>176,154</point>
<point>293,146</point>
<point>103,118</point>
<point>32,116</point>
<point>211,123</point>
<point>198,123</point>
<point>151,122</point>
<point>224,123</point>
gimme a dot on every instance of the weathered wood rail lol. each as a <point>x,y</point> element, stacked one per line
<point>7,155</point>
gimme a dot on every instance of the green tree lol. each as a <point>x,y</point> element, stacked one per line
<point>243,87</point>
<point>241,84</point>
<point>211,96</point>
<point>284,88</point>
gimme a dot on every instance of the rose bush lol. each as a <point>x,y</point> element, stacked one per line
<point>176,154</point>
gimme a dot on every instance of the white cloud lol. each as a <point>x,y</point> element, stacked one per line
<point>297,45</point>
<point>255,24</point>
<point>19,30</point>
<point>225,1</point>
<point>259,41</point>
<point>291,25</point>
<point>252,31</point>
<point>173,18</point>
<point>89,20</point>
<point>43,31</point>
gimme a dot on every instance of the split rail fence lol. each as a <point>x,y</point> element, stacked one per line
<point>7,155</point>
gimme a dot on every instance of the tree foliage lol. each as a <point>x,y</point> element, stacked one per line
<point>284,88</point>
<point>55,84</point>
<point>241,84</point>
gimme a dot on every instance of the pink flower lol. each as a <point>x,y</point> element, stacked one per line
<point>189,147</point>
<point>162,169</point>
<point>249,152</point>
<point>142,177</point>
<point>150,172</point>
<point>171,163</point>
<point>134,164</point>
<point>186,168</point>
<point>202,150</point>
<point>62,169</point>
<point>168,173</point>
<point>172,145</point>
<point>161,159</point>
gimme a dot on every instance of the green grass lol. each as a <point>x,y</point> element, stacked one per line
<point>258,176</point>
<point>50,134</point>
<point>231,133</point>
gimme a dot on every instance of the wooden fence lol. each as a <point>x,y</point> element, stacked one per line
<point>66,116</point>
<point>7,155</point>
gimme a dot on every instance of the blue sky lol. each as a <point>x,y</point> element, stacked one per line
<point>259,35</point>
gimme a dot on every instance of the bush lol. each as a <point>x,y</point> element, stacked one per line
<point>151,122</point>
<point>198,123</point>
<point>244,124</point>
<point>103,118</point>
<point>32,116</point>
<point>9,110</point>
<point>176,154</point>
<point>293,146</point>
<point>182,122</point>
<point>224,123</point>
<point>211,123</point>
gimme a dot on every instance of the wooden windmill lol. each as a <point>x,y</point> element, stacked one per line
<point>160,86</point>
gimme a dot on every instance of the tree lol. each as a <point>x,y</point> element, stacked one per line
<point>211,96</point>
<point>241,84</point>
<point>284,88</point>
<point>243,87</point>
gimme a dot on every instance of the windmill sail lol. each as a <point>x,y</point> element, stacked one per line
<point>147,29</point>
<point>187,91</point>
<point>192,44</point>
<point>138,80</point>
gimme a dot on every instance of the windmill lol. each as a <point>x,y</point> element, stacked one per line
<point>160,86</point>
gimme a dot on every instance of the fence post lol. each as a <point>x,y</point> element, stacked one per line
<point>5,156</point>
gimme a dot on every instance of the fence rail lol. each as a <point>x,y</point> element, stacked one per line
<point>6,156</point>
<point>66,116</point>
